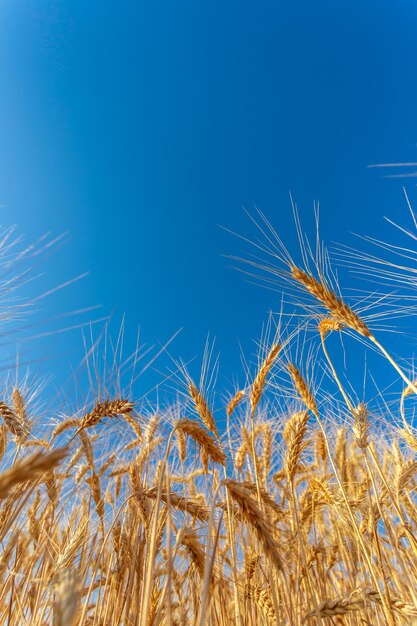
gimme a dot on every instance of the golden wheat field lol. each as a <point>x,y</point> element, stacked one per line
<point>281,505</point>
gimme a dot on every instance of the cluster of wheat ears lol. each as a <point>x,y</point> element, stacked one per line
<point>199,514</point>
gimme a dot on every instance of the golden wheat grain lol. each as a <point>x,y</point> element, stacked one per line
<point>236,399</point>
<point>202,438</point>
<point>253,515</point>
<point>361,425</point>
<point>320,447</point>
<point>106,408</point>
<point>331,608</point>
<point>187,537</point>
<point>29,469</point>
<point>337,307</point>
<point>19,409</point>
<point>262,375</point>
<point>37,443</point>
<point>94,482</point>
<point>303,389</point>
<point>66,425</point>
<point>202,408</point>
<point>13,423</point>
<point>191,506</point>
<point>296,429</point>
<point>328,325</point>
<point>182,445</point>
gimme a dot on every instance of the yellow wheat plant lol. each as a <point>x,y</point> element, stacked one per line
<point>289,503</point>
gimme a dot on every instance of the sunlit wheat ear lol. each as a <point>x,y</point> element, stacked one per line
<point>36,443</point>
<point>320,489</point>
<point>66,425</point>
<point>263,598</point>
<point>30,469</point>
<point>320,448</point>
<point>296,430</point>
<point>256,519</point>
<point>134,423</point>
<point>19,408</point>
<point>266,498</point>
<point>241,453</point>
<point>106,408</point>
<point>329,324</point>
<point>331,608</point>
<point>182,445</point>
<point>245,449</point>
<point>68,553</point>
<point>234,402</point>
<point>262,375</point>
<point>94,483</point>
<point>361,425</point>
<point>87,448</point>
<point>52,487</point>
<point>202,438</point>
<point>303,389</point>
<point>202,408</point>
<point>188,505</point>
<point>151,429</point>
<point>187,537</point>
<point>336,306</point>
<point>11,420</point>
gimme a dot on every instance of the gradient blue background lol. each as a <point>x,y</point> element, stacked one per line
<point>141,127</point>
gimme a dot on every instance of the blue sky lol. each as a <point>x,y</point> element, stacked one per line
<point>141,128</point>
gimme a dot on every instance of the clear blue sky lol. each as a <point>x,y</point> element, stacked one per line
<point>141,127</point>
